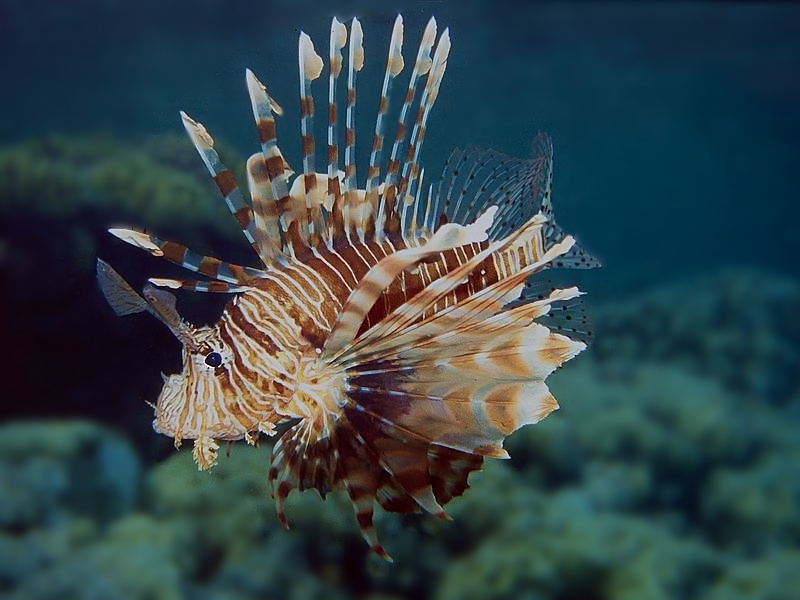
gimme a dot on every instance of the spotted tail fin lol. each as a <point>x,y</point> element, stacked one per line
<point>476,177</point>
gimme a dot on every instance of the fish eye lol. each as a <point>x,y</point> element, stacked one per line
<point>213,359</point>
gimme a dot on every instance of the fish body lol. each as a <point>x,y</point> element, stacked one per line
<point>393,335</point>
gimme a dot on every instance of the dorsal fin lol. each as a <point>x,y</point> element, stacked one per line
<point>287,215</point>
<point>265,208</point>
<point>410,168</point>
<point>409,225</point>
<point>476,177</point>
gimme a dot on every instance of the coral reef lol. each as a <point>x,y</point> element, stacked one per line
<point>737,326</point>
<point>60,483</point>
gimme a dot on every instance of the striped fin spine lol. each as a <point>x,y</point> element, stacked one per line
<point>310,69</point>
<point>229,188</point>
<point>265,208</point>
<point>422,67</point>
<point>394,66</point>
<point>429,95</point>
<point>196,285</point>
<point>410,210</point>
<point>352,207</point>
<point>338,39</point>
<point>292,215</point>
<point>188,259</point>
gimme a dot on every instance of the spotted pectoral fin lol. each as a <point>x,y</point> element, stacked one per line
<point>462,378</point>
<point>466,377</point>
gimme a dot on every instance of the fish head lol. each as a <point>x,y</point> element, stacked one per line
<point>200,402</point>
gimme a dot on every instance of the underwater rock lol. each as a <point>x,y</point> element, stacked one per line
<point>24,556</point>
<point>238,549</point>
<point>618,418</point>
<point>225,512</point>
<point>230,518</point>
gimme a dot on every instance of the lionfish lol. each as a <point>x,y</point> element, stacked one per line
<point>393,329</point>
